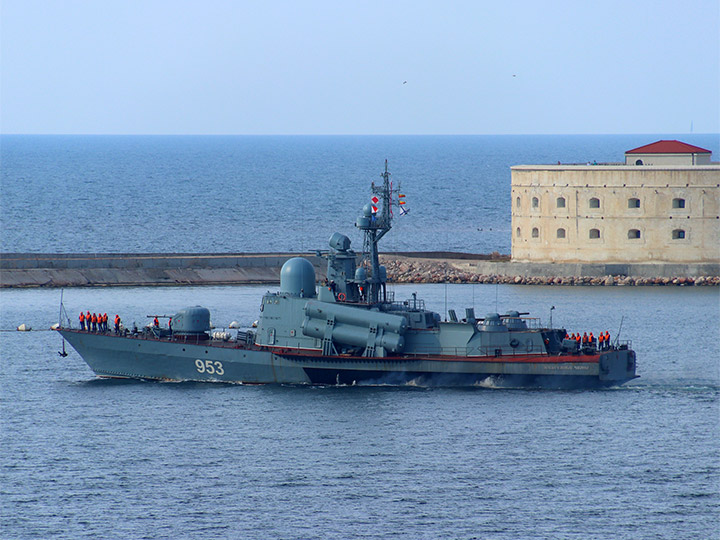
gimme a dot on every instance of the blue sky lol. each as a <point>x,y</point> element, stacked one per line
<point>359,67</point>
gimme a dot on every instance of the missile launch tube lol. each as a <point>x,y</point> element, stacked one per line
<point>356,316</point>
<point>356,336</point>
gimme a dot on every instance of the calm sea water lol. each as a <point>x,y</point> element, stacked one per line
<point>264,194</point>
<point>87,458</point>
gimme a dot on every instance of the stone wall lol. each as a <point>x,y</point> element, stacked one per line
<point>615,214</point>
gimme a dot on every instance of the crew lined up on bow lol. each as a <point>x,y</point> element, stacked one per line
<point>97,322</point>
<point>93,322</point>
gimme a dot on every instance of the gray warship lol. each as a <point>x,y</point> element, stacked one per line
<point>350,330</point>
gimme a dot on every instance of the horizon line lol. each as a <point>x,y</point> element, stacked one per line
<point>345,134</point>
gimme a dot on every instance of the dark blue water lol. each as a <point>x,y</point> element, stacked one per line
<point>86,458</point>
<point>259,194</point>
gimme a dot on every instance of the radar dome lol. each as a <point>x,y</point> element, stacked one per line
<point>297,278</point>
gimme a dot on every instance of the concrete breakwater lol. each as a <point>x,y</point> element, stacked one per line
<point>144,269</point>
<point>103,270</point>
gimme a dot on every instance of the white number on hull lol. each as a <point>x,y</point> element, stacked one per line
<point>209,367</point>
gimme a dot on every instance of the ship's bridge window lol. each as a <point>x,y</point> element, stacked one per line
<point>535,232</point>
<point>678,234</point>
<point>633,203</point>
<point>594,233</point>
<point>561,233</point>
<point>633,234</point>
<point>594,202</point>
<point>535,202</point>
<point>560,202</point>
<point>678,203</point>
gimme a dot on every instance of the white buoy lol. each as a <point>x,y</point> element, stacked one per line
<point>234,324</point>
<point>23,328</point>
<point>254,324</point>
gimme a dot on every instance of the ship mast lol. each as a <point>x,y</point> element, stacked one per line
<point>379,224</point>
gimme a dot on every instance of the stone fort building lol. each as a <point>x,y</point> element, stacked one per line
<point>661,206</point>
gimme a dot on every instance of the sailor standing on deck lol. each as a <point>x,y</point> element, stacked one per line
<point>82,321</point>
<point>117,324</point>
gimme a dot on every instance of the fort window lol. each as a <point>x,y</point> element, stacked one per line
<point>561,202</point>
<point>633,234</point>
<point>517,202</point>
<point>517,232</point>
<point>594,202</point>
<point>594,233</point>
<point>633,203</point>
<point>535,232</point>
<point>678,234</point>
<point>678,203</point>
<point>535,202</point>
<point>638,162</point>
<point>561,233</point>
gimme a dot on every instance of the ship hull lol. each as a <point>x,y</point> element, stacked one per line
<point>211,361</point>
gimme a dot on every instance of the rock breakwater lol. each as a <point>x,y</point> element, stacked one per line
<point>408,270</point>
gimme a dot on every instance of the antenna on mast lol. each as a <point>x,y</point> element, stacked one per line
<point>374,229</point>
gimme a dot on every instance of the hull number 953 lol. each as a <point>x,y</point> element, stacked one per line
<point>209,367</point>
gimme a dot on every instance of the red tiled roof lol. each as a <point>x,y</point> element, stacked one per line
<point>668,147</point>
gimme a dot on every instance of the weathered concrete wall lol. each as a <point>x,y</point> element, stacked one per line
<point>39,270</point>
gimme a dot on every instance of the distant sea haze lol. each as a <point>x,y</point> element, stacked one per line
<point>198,194</point>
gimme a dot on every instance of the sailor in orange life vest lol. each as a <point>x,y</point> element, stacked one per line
<point>156,323</point>
<point>82,321</point>
<point>117,324</point>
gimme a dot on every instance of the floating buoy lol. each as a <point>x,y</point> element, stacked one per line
<point>23,328</point>
<point>234,324</point>
<point>254,324</point>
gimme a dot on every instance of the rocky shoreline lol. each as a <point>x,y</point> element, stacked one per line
<point>429,271</point>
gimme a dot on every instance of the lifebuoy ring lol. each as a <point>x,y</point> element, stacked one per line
<point>341,296</point>
<point>514,343</point>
